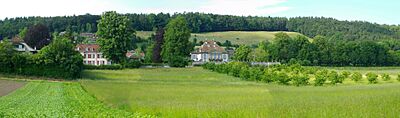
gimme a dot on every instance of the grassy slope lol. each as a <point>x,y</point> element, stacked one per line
<point>236,37</point>
<point>195,92</point>
<point>55,99</point>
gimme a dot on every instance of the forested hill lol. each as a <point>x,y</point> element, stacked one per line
<point>199,22</point>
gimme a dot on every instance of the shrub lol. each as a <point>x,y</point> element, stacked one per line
<point>334,77</point>
<point>398,77</point>
<point>282,78</point>
<point>268,76</point>
<point>372,78</point>
<point>356,76</point>
<point>132,64</point>
<point>300,80</point>
<point>244,73</point>
<point>346,74</point>
<point>386,77</point>
<point>255,73</point>
<point>320,78</point>
<point>104,67</point>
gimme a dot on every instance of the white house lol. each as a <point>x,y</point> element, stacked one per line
<point>21,46</point>
<point>92,55</point>
<point>210,51</point>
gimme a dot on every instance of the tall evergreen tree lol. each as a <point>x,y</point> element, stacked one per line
<point>157,48</point>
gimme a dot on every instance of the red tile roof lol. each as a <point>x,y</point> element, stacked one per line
<point>210,46</point>
<point>87,48</point>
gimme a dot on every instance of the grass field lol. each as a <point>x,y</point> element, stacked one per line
<point>194,92</point>
<point>236,37</point>
<point>55,99</point>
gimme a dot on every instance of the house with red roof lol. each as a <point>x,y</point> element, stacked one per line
<point>210,51</point>
<point>92,55</point>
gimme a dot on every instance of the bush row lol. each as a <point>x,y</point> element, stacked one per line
<point>290,74</point>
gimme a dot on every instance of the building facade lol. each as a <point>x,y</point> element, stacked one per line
<point>210,51</point>
<point>92,55</point>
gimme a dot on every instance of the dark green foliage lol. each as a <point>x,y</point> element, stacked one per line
<point>115,36</point>
<point>372,78</point>
<point>176,45</point>
<point>37,36</point>
<point>104,67</point>
<point>386,77</point>
<point>57,60</point>
<point>157,48</point>
<point>356,76</point>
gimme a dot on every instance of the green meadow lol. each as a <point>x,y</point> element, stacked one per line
<point>194,92</point>
<point>236,37</point>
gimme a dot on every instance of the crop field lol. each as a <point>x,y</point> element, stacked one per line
<point>236,37</point>
<point>7,87</point>
<point>55,99</point>
<point>194,92</point>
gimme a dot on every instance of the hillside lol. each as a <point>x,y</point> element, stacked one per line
<point>236,37</point>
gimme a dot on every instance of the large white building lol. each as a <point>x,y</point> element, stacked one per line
<point>92,55</point>
<point>210,51</point>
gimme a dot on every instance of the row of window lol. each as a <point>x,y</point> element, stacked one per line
<point>94,62</point>
<point>92,56</point>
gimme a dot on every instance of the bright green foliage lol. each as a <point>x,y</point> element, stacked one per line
<point>198,93</point>
<point>398,77</point>
<point>115,36</point>
<point>372,78</point>
<point>300,80</point>
<point>56,99</point>
<point>242,53</point>
<point>386,77</point>
<point>177,46</point>
<point>346,74</point>
<point>356,76</point>
<point>320,78</point>
<point>61,53</point>
<point>259,54</point>
<point>6,54</point>
<point>334,77</point>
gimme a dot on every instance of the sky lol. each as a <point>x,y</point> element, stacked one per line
<point>376,11</point>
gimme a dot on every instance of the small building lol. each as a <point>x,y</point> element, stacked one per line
<point>21,46</point>
<point>135,55</point>
<point>210,51</point>
<point>92,55</point>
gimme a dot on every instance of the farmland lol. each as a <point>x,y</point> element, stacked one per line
<point>9,86</point>
<point>194,92</point>
<point>55,99</point>
<point>236,37</point>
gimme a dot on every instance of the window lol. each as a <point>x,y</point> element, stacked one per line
<point>98,63</point>
<point>89,56</point>
<point>98,56</point>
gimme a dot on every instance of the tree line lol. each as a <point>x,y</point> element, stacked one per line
<point>201,22</point>
<point>322,51</point>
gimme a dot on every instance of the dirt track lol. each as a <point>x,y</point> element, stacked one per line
<point>7,87</point>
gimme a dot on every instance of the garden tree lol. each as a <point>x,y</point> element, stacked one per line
<point>346,74</point>
<point>258,55</point>
<point>227,43</point>
<point>61,54</point>
<point>372,78</point>
<point>242,53</point>
<point>37,36</point>
<point>356,76</point>
<point>386,77</point>
<point>300,79</point>
<point>114,36</point>
<point>334,77</point>
<point>157,46</point>
<point>176,46</point>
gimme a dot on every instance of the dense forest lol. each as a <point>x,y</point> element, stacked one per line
<point>200,22</point>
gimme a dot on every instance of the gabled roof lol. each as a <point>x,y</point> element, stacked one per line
<point>211,46</point>
<point>88,48</point>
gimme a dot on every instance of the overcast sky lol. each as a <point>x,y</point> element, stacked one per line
<point>379,11</point>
